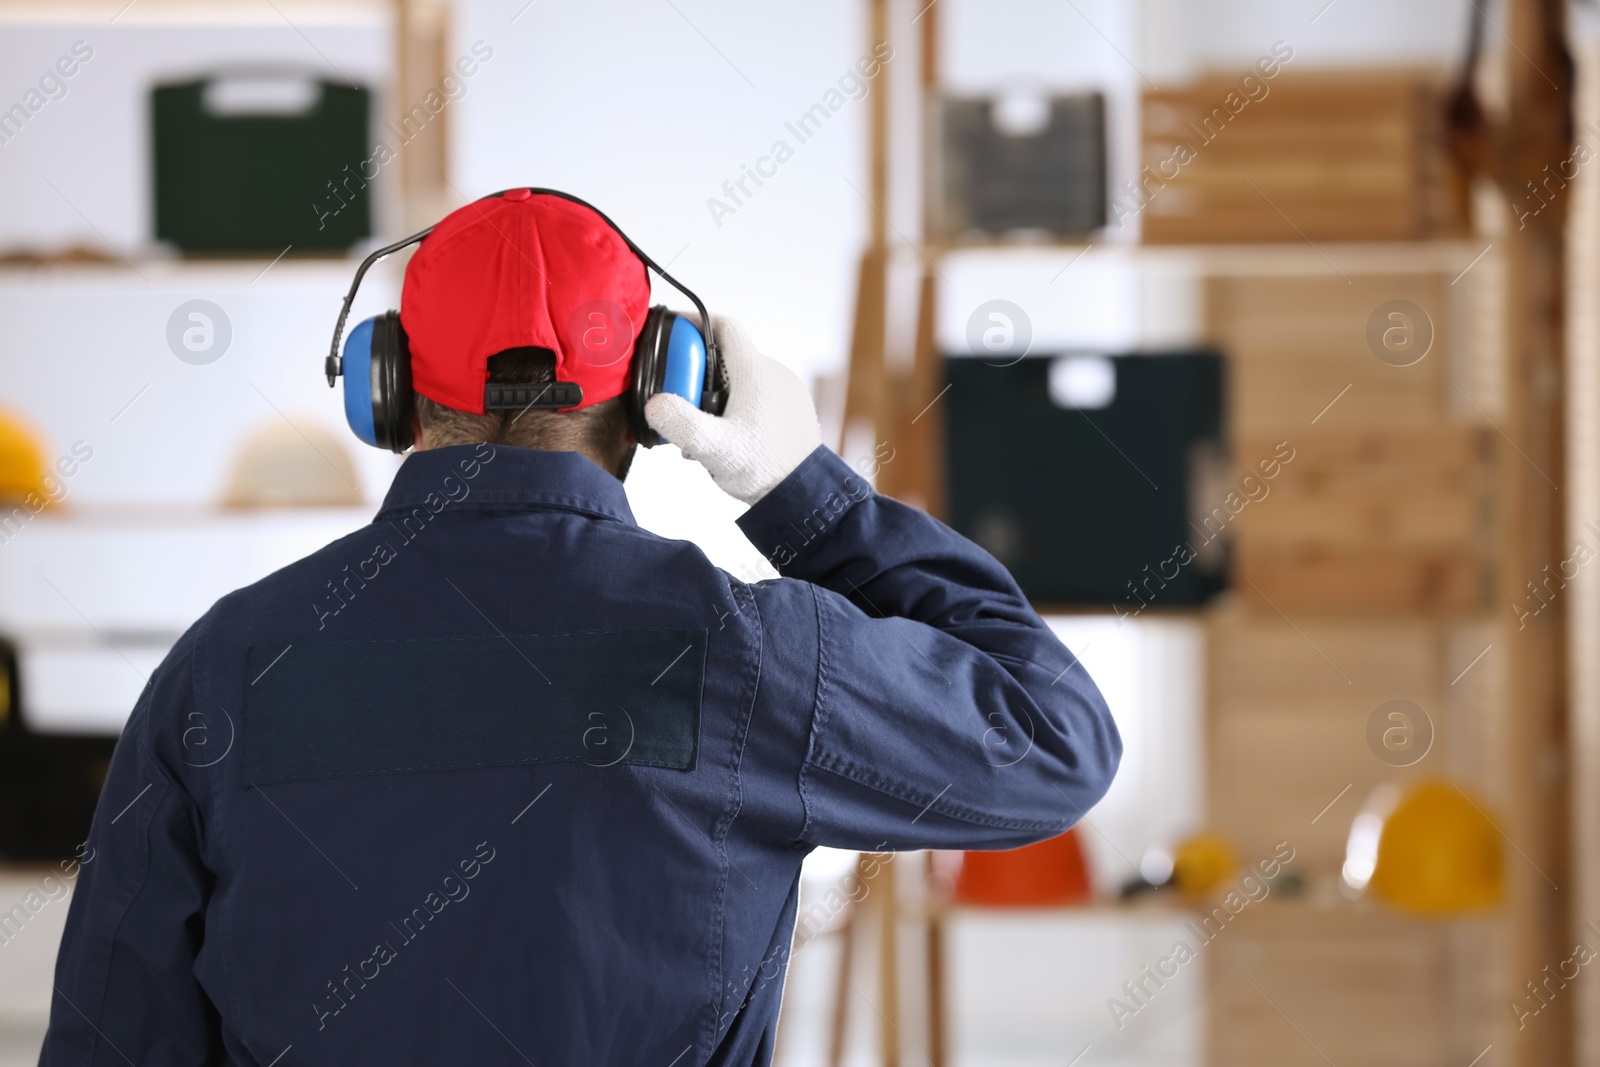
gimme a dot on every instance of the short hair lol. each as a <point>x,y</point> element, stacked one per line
<point>600,431</point>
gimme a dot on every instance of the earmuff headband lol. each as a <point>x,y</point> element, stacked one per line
<point>333,364</point>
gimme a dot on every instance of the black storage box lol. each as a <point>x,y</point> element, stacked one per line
<point>993,181</point>
<point>230,180</point>
<point>49,785</point>
<point>1094,505</point>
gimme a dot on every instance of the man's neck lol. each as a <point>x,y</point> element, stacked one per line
<point>421,444</point>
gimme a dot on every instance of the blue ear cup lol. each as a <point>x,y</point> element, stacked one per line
<point>358,381</point>
<point>685,372</point>
<point>377,383</point>
<point>670,357</point>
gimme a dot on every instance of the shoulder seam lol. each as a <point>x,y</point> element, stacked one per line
<point>818,711</point>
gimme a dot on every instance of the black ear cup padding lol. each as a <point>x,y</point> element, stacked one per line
<point>392,398</point>
<point>715,397</point>
<point>649,371</point>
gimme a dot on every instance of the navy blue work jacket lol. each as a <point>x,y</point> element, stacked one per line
<point>503,778</point>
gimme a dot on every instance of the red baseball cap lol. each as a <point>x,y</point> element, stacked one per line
<point>522,269</point>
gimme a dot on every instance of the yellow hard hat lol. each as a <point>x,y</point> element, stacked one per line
<point>22,462</point>
<point>1201,863</point>
<point>1438,853</point>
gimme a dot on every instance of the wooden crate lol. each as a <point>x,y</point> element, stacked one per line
<point>1293,985</point>
<point>1287,756</point>
<point>1416,582</point>
<point>1385,506</point>
<point>1386,520</point>
<point>1295,343</point>
<point>1322,156</point>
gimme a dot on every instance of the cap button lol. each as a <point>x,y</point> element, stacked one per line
<point>517,194</point>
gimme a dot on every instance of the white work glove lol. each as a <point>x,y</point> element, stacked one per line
<point>769,427</point>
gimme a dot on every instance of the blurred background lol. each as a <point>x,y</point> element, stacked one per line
<point>1260,339</point>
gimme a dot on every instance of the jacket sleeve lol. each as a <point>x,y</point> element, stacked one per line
<point>916,697</point>
<point>125,984</point>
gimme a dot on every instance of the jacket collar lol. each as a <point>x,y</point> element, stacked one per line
<point>501,477</point>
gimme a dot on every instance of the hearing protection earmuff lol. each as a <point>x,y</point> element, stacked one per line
<point>670,356</point>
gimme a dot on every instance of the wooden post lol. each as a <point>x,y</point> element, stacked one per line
<point>889,1032</point>
<point>933,915</point>
<point>878,131</point>
<point>927,367</point>
<point>1583,515</point>
<point>866,398</point>
<point>927,466</point>
<point>916,474</point>
<point>421,41</point>
<point>1536,134</point>
<point>865,388</point>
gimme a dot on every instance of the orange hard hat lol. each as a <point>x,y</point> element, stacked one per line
<point>1047,873</point>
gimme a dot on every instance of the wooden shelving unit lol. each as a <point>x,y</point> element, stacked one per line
<point>1421,500</point>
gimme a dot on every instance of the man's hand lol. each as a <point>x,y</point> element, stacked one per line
<point>769,427</point>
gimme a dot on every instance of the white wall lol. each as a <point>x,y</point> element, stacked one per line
<point>79,343</point>
<point>648,108</point>
<point>93,143</point>
<point>1181,37</point>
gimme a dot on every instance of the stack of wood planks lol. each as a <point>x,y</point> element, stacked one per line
<point>1385,506</point>
<point>1324,155</point>
<point>1364,576</point>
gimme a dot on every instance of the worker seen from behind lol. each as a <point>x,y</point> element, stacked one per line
<point>502,778</point>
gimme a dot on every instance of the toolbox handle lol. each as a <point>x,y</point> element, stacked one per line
<point>261,92</point>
